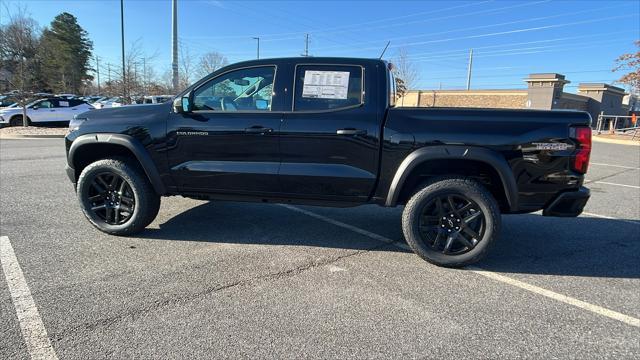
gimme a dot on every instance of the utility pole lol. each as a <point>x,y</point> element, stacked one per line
<point>306,45</point>
<point>98,72</point>
<point>174,45</point>
<point>124,78</point>
<point>469,69</point>
<point>258,51</point>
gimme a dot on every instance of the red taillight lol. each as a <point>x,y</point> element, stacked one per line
<point>581,158</point>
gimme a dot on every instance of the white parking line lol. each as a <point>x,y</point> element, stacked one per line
<point>33,331</point>
<point>559,297</point>
<point>616,184</point>
<point>611,218</point>
<point>495,276</point>
<point>617,166</point>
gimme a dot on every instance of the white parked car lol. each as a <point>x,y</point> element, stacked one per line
<point>157,99</point>
<point>111,102</point>
<point>49,110</point>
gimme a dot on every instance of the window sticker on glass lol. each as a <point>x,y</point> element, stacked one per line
<point>64,103</point>
<point>325,84</point>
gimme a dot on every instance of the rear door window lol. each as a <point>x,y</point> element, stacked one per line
<point>328,87</point>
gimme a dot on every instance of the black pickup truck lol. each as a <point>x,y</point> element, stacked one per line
<point>326,131</point>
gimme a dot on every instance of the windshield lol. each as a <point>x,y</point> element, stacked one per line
<point>31,104</point>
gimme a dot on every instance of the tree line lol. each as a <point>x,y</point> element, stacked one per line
<point>53,59</point>
<point>59,59</point>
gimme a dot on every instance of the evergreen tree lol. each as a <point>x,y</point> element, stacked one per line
<point>65,54</point>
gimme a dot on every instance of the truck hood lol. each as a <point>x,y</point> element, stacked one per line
<point>126,114</point>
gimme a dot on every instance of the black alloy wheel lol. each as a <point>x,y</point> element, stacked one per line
<point>116,196</point>
<point>452,224</point>
<point>451,221</point>
<point>112,198</point>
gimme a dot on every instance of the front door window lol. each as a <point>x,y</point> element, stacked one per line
<point>249,89</point>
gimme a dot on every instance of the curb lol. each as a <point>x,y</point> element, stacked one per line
<point>615,141</point>
<point>27,137</point>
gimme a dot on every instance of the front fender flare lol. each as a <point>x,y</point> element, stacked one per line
<point>138,150</point>
<point>440,152</point>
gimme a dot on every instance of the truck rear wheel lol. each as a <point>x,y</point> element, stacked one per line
<point>451,222</point>
<point>117,197</point>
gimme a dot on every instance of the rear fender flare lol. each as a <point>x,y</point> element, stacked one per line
<point>138,150</point>
<point>490,157</point>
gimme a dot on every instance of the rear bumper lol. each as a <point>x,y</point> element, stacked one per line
<point>568,204</point>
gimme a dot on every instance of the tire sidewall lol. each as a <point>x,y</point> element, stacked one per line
<point>459,187</point>
<point>17,121</point>
<point>84,183</point>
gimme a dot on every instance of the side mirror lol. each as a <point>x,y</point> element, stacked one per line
<point>186,106</point>
<point>181,105</point>
<point>262,104</point>
<point>35,107</point>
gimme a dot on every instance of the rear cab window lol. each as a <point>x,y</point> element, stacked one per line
<point>328,87</point>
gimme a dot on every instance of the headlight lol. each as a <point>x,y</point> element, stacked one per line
<point>75,123</point>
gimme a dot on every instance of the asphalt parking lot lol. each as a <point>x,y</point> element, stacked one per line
<point>244,280</point>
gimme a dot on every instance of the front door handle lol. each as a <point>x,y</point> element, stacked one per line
<point>351,132</point>
<point>258,129</point>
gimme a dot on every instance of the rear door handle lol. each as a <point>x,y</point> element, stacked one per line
<point>351,132</point>
<point>258,129</point>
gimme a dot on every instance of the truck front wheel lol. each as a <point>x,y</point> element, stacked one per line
<point>117,197</point>
<point>451,222</point>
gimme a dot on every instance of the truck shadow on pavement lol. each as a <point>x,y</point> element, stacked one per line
<point>529,244</point>
<point>583,246</point>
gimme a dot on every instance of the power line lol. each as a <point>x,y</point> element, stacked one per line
<point>482,26</point>
<point>356,25</point>
<point>508,32</point>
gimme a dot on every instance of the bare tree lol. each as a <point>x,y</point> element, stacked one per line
<point>186,67</point>
<point>18,47</point>
<point>211,62</point>
<point>405,70</point>
<point>631,63</point>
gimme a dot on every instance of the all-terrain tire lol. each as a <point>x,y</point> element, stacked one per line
<point>147,201</point>
<point>460,188</point>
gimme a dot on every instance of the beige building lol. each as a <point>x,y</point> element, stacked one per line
<point>544,91</point>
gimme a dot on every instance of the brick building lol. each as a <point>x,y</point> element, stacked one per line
<point>544,91</point>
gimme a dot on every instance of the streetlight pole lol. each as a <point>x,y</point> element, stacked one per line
<point>469,69</point>
<point>258,53</point>
<point>124,78</point>
<point>174,46</point>
<point>98,72</point>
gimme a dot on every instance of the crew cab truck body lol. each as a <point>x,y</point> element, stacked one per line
<point>325,131</point>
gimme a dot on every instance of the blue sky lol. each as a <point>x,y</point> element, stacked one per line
<point>510,39</point>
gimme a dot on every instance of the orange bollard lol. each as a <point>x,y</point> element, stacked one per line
<point>634,120</point>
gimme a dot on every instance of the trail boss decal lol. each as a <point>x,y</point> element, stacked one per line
<point>551,146</point>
